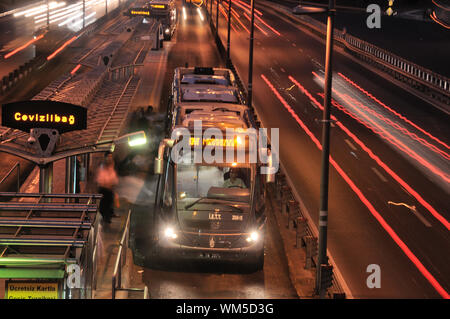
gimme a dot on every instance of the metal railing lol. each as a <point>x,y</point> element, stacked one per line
<point>16,166</point>
<point>123,71</point>
<point>121,260</point>
<point>417,77</point>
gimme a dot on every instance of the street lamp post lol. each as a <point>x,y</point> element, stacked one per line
<point>250,56</point>
<point>323,213</point>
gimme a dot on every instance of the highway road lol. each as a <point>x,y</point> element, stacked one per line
<point>390,158</point>
<point>384,163</point>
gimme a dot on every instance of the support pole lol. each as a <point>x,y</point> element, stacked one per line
<point>45,178</point>
<point>71,174</point>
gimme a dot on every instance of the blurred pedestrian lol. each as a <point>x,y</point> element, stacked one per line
<point>106,181</point>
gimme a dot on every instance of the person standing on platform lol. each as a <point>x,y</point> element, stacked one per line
<point>106,181</point>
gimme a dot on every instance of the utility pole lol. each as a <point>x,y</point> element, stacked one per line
<point>250,56</point>
<point>323,214</point>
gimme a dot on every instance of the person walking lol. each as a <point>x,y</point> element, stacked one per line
<point>106,181</point>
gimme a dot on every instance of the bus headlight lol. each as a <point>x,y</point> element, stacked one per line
<point>253,237</point>
<point>170,233</point>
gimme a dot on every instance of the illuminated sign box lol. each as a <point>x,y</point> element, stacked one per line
<point>158,6</point>
<point>26,115</point>
<point>31,290</point>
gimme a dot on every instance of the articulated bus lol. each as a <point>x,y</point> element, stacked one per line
<point>197,3</point>
<point>210,210</point>
<point>166,12</point>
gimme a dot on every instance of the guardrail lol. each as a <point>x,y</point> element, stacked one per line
<point>121,261</point>
<point>16,166</point>
<point>291,206</point>
<point>10,80</point>
<point>420,78</point>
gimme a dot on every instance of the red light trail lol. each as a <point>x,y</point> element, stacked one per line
<point>392,111</point>
<point>23,47</point>
<point>385,167</point>
<point>363,199</point>
<point>51,56</point>
<point>391,139</point>
<point>75,69</point>
<point>256,25</point>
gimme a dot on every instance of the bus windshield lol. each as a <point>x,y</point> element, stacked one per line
<point>212,184</point>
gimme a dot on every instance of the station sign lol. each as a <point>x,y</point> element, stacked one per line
<point>31,290</point>
<point>140,12</point>
<point>158,6</point>
<point>61,116</point>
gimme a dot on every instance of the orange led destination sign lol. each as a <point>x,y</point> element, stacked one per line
<point>145,12</point>
<point>224,142</point>
<point>44,118</point>
<point>44,114</point>
<point>158,6</point>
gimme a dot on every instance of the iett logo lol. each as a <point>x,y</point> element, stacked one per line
<point>389,10</point>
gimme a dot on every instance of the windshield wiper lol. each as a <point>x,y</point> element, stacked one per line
<point>213,202</point>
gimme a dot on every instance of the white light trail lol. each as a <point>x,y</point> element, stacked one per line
<point>200,13</point>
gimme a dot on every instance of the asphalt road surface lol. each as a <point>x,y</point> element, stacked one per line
<point>371,215</point>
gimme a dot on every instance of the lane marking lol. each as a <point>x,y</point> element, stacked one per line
<point>379,174</point>
<point>350,144</point>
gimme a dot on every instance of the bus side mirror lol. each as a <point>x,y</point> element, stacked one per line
<point>271,170</point>
<point>159,164</point>
<point>159,161</point>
